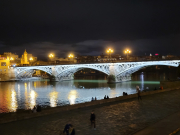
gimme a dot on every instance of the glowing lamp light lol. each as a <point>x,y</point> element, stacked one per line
<point>11,58</point>
<point>71,56</point>
<point>127,51</point>
<point>109,51</point>
<point>31,58</point>
<point>51,55</point>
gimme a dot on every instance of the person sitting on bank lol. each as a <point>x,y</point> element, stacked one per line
<point>105,97</point>
<point>38,108</point>
<point>95,98</point>
<point>92,99</point>
<point>124,94</point>
<point>34,110</point>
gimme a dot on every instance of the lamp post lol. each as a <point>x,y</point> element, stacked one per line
<point>109,51</point>
<point>31,59</point>
<point>71,56</point>
<point>127,52</point>
<point>51,55</point>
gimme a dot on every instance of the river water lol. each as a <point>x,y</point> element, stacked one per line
<point>26,94</point>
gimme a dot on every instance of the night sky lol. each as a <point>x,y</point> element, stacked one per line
<point>88,27</point>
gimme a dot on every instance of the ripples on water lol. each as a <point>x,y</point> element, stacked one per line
<point>24,95</point>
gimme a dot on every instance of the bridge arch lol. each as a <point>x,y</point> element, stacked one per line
<point>23,72</point>
<point>124,71</point>
<point>69,72</point>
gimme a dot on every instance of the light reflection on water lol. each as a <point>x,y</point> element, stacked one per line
<point>24,95</point>
<point>13,101</point>
<point>32,99</point>
<point>53,98</point>
<point>72,96</point>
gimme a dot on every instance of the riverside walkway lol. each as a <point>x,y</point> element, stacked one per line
<point>155,112</point>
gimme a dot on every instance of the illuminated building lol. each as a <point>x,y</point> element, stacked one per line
<point>27,59</point>
<point>4,68</point>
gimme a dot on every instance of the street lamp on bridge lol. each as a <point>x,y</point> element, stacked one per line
<point>71,56</point>
<point>51,55</point>
<point>109,51</point>
<point>127,52</point>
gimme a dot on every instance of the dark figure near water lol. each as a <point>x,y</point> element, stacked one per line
<point>125,93</point>
<point>93,119</point>
<point>38,108</point>
<point>34,110</point>
<point>92,99</point>
<point>105,97</point>
<point>138,92</point>
<point>95,98</point>
<point>69,129</point>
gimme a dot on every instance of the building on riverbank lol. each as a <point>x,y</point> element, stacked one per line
<point>27,59</point>
<point>5,69</point>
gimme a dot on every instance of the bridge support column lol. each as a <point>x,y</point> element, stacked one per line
<point>112,74</point>
<point>115,77</point>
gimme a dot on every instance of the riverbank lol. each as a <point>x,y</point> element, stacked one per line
<point>27,114</point>
<point>122,117</point>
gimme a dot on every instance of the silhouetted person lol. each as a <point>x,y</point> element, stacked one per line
<point>71,130</point>
<point>92,99</point>
<point>93,119</point>
<point>34,110</point>
<point>125,93</point>
<point>95,98</point>
<point>66,129</point>
<point>138,92</point>
<point>107,97</point>
<point>38,108</point>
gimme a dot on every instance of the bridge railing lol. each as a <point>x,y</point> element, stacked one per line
<point>98,62</point>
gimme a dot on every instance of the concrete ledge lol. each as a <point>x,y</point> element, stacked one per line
<point>170,83</point>
<point>26,114</point>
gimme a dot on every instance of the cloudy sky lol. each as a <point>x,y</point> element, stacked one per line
<point>88,27</point>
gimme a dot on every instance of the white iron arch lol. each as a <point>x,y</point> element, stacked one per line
<point>121,71</point>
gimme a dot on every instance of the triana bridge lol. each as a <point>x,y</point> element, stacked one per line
<point>121,71</point>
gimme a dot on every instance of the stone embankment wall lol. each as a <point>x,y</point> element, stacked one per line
<point>26,114</point>
<point>170,84</point>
